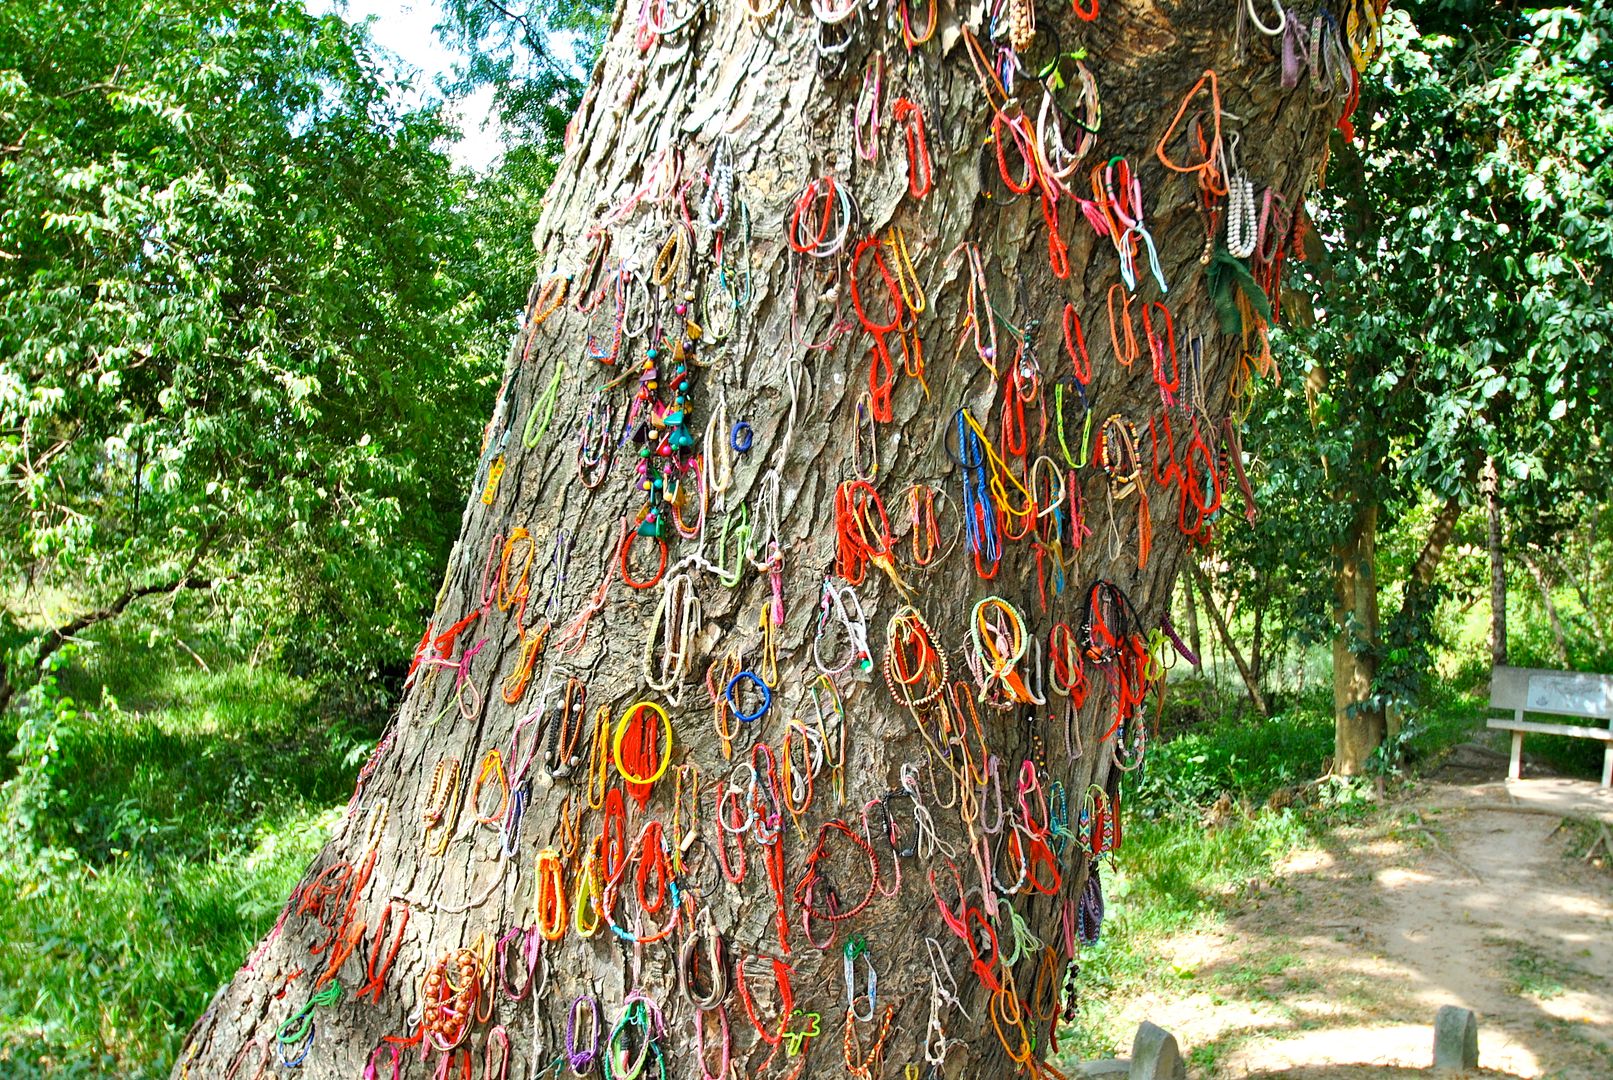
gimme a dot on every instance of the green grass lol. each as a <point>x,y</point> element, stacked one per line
<point>1238,754</point>
<point>103,970</point>
<point>181,809</point>
<point>1535,974</point>
<point>1174,876</point>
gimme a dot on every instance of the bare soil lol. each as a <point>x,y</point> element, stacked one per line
<point>1472,894</point>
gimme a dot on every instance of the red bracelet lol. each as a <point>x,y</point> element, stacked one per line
<point>627,546</point>
<point>781,976</point>
<point>652,860</point>
<point>1076,345</point>
<point>898,307</point>
<point>911,117</point>
<point>804,887</point>
<point>1158,350</point>
<point>1022,144</point>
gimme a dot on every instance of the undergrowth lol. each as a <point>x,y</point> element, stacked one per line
<point>154,830</point>
<point>160,813</point>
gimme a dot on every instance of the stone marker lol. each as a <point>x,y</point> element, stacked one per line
<point>1155,1055</point>
<point>1456,1039</point>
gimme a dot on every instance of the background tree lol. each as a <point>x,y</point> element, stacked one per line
<point>1452,317</point>
<point>534,55</point>
<point>246,326</point>
<point>495,811</point>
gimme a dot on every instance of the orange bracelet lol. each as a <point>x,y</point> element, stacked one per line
<point>551,895</point>
<point>1126,354</point>
<point>911,117</point>
<point>1209,168</point>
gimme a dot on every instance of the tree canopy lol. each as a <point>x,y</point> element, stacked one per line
<point>1453,312</point>
<point>250,315</point>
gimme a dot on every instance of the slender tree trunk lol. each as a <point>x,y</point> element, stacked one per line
<point>1588,568</point>
<point>1191,610</point>
<point>403,848</point>
<point>1414,602</point>
<point>1250,683</point>
<point>1592,619</point>
<point>1429,558</point>
<point>1257,643</point>
<point>1358,725</point>
<point>1559,636</point>
<point>1498,567</point>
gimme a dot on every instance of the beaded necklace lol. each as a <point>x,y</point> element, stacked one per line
<point>442,803</point>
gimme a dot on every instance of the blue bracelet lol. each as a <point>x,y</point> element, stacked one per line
<point>741,437</point>
<point>733,702</point>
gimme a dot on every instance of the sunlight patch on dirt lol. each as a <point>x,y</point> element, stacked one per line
<point>1333,969</point>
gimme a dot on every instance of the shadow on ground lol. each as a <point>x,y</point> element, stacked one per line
<point>1457,894</point>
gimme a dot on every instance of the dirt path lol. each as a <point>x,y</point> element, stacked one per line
<point>1458,894</point>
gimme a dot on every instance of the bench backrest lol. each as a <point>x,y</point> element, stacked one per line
<point>1560,693</point>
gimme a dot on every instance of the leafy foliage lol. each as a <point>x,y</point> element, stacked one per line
<point>246,328</point>
<point>535,55</point>
<point>1454,310</point>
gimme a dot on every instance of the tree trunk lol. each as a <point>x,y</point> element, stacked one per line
<point>1559,636</point>
<point>1592,619</point>
<point>1588,568</point>
<point>1194,641</point>
<point>1358,722</point>
<point>1429,558</point>
<point>1414,616</point>
<point>401,849</point>
<point>1250,683</point>
<point>1257,642</point>
<point>1498,568</point>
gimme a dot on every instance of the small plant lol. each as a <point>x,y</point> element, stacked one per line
<point>1344,793</point>
<point>1536,975</point>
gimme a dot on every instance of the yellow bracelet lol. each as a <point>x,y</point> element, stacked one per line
<point>621,733</point>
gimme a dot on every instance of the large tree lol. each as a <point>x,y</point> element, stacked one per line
<point>785,506</point>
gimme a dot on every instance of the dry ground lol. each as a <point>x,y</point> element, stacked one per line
<point>1455,893</point>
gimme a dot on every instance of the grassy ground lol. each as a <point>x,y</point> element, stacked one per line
<point>178,812</point>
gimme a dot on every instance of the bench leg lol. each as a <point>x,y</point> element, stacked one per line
<point>1515,769</point>
<point>1607,767</point>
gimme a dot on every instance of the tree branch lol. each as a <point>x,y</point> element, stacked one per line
<point>1255,696</point>
<point>533,40</point>
<point>55,639</point>
<point>52,640</point>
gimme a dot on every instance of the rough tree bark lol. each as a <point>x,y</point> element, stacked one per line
<point>1358,725</point>
<point>727,72</point>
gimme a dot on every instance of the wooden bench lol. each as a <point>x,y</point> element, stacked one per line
<point>1553,693</point>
